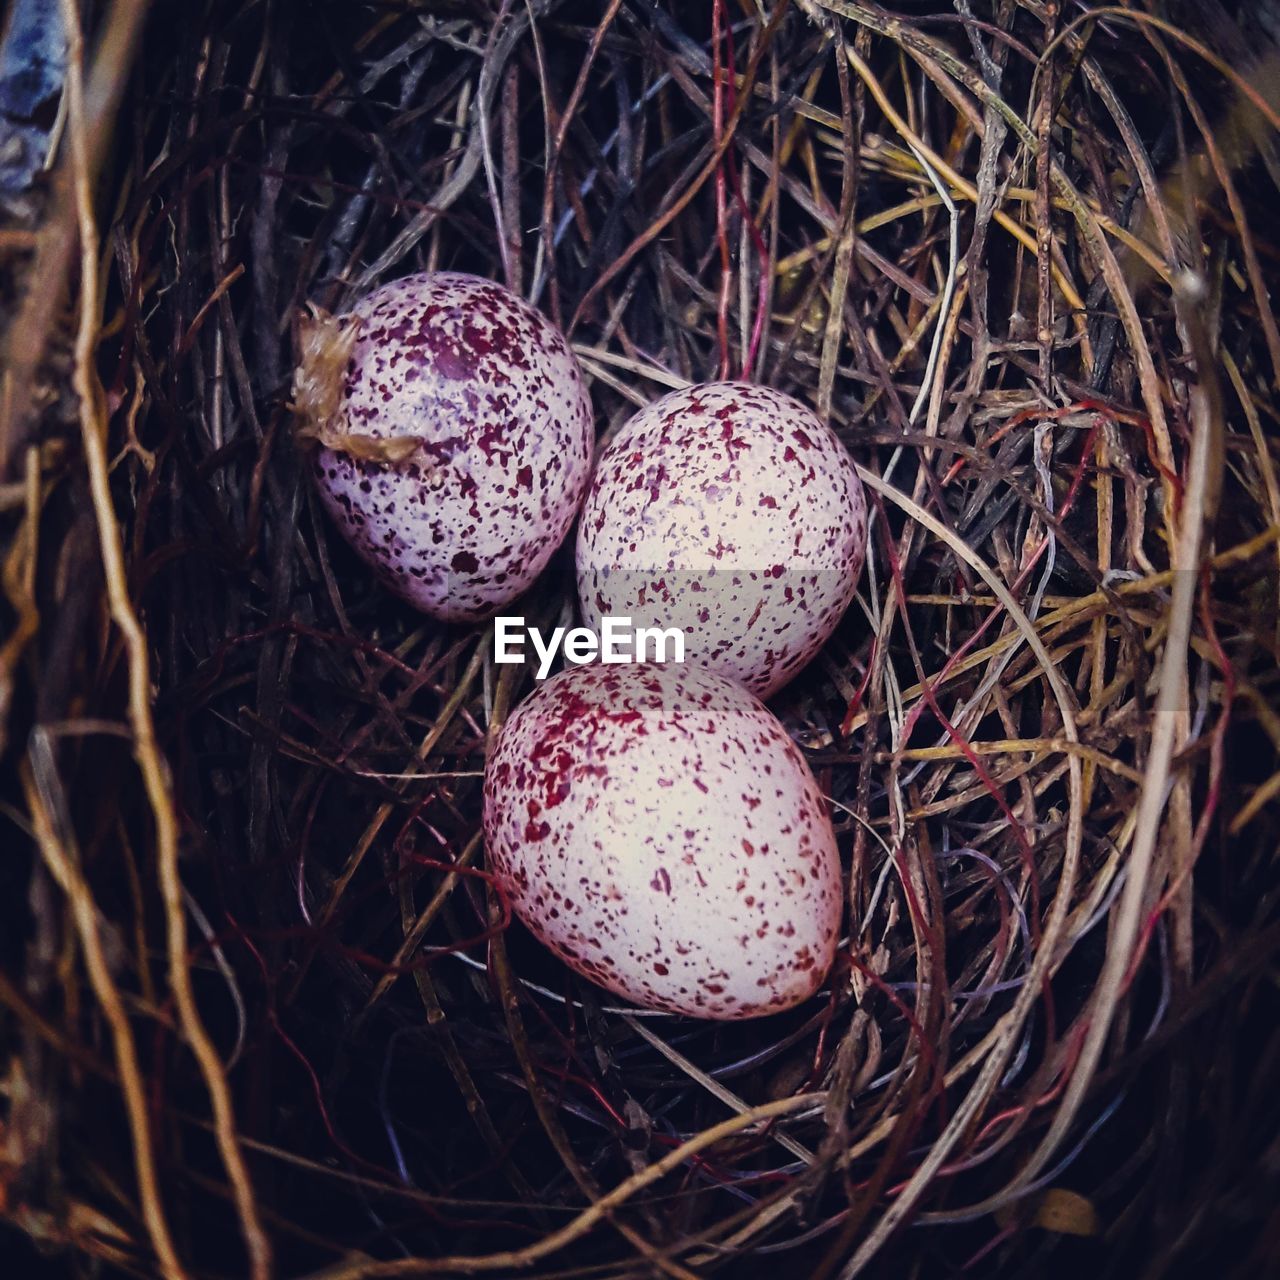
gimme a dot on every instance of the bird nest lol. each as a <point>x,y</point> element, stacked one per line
<point>263,1012</point>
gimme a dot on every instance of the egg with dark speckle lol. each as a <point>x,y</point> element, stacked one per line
<point>453,438</point>
<point>730,511</point>
<point>654,826</point>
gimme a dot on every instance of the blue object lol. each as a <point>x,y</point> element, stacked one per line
<point>33,60</point>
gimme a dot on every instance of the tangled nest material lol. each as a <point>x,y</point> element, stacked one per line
<point>261,1012</point>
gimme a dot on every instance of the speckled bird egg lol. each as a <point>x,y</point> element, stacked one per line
<point>453,434</point>
<point>655,827</point>
<point>728,510</point>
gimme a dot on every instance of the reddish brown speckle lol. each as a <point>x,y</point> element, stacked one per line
<point>493,396</point>
<point>749,513</point>
<point>685,829</point>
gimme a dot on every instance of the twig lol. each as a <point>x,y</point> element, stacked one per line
<point>150,761</point>
<point>517,1259</point>
<point>63,868</point>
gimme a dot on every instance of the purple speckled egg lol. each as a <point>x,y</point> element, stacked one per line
<point>730,511</point>
<point>655,827</point>
<point>491,433</point>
